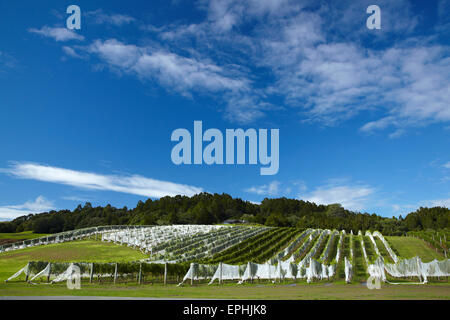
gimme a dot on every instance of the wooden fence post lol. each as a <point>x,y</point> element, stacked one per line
<point>165,273</point>
<point>91,273</point>
<point>49,272</point>
<point>115,273</point>
<point>140,273</point>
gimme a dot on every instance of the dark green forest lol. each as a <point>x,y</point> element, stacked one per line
<point>208,208</point>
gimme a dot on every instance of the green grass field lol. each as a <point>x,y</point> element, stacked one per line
<point>77,251</point>
<point>21,235</point>
<point>96,251</point>
<point>408,247</point>
<point>283,291</point>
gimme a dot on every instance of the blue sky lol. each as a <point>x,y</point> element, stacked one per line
<point>87,115</point>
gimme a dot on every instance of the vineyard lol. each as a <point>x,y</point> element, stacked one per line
<point>207,253</point>
<point>439,240</point>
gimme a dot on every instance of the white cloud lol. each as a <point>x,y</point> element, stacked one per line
<point>319,64</point>
<point>322,61</point>
<point>403,208</point>
<point>75,198</point>
<point>439,203</point>
<point>133,184</point>
<point>224,15</point>
<point>334,81</point>
<point>6,60</point>
<point>352,197</point>
<point>41,204</point>
<point>185,75</point>
<point>58,34</point>
<point>171,70</point>
<point>447,165</point>
<point>100,17</point>
<point>71,52</point>
<point>270,189</point>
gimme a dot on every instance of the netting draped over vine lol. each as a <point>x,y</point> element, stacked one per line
<point>300,256</point>
<point>386,245</point>
<point>60,271</point>
<point>64,237</point>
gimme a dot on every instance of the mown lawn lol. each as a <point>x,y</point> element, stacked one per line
<point>299,291</point>
<point>76,251</point>
<point>409,247</point>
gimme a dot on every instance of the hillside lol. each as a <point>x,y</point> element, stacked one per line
<point>208,208</point>
<point>85,251</point>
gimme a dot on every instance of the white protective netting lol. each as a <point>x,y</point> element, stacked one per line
<point>24,270</point>
<point>181,243</point>
<point>261,271</point>
<point>348,262</point>
<point>363,248</point>
<point>44,273</point>
<point>339,247</point>
<point>66,274</point>
<point>386,245</point>
<point>348,270</point>
<point>199,272</point>
<point>368,234</point>
<point>226,272</point>
<point>63,237</point>
<point>414,267</point>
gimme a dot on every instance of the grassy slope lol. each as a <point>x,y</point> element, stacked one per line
<point>21,235</point>
<point>409,247</point>
<point>359,269</point>
<point>336,290</point>
<point>370,249</point>
<point>78,251</point>
<point>383,251</point>
<point>344,253</point>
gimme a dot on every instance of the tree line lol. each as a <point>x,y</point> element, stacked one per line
<point>205,208</point>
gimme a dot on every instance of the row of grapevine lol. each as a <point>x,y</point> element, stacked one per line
<point>328,247</point>
<point>291,248</point>
<point>306,246</point>
<point>260,252</point>
<point>242,248</point>
<point>147,238</point>
<point>185,245</point>
<point>439,240</point>
<point>218,244</point>
<point>66,236</point>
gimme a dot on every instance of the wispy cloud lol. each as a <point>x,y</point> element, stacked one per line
<point>100,17</point>
<point>75,198</point>
<point>351,196</point>
<point>438,203</point>
<point>57,33</point>
<point>72,53</point>
<point>271,189</point>
<point>316,61</point>
<point>447,165</point>
<point>171,70</point>
<point>6,60</point>
<point>41,204</point>
<point>132,184</point>
<point>185,75</point>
